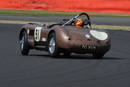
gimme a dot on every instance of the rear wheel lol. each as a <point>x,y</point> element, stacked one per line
<point>53,48</point>
<point>24,46</point>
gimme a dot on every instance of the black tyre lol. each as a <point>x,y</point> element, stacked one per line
<point>52,46</point>
<point>24,46</point>
<point>98,55</point>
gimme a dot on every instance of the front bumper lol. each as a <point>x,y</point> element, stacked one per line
<point>83,49</point>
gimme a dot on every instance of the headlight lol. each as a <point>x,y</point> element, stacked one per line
<point>88,36</point>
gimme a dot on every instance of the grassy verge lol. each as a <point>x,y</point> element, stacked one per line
<point>58,13</point>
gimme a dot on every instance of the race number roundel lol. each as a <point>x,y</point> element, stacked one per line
<point>99,35</point>
<point>37,33</point>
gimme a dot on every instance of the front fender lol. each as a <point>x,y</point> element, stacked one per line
<point>62,38</point>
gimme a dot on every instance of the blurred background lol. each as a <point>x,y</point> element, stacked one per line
<point>69,5</point>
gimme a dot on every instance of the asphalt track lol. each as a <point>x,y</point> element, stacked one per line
<point>120,21</point>
<point>40,70</point>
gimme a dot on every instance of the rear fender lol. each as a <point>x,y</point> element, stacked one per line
<point>30,34</point>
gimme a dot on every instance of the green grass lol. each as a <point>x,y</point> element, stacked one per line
<point>58,13</point>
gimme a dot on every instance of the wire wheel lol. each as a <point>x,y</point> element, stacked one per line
<point>24,46</point>
<point>52,46</point>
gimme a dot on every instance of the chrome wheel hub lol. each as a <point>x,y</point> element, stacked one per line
<point>22,43</point>
<point>52,45</point>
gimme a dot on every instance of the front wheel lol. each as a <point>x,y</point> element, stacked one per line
<point>53,48</point>
<point>24,46</point>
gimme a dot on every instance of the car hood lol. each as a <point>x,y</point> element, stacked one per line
<point>77,34</point>
<point>83,34</point>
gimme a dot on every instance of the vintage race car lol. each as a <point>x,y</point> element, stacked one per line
<point>65,38</point>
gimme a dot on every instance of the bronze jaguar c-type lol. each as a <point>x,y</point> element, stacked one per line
<point>65,37</point>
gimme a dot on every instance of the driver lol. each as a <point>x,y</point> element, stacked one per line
<point>79,22</point>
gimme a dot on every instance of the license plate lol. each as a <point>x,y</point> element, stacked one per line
<point>88,47</point>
